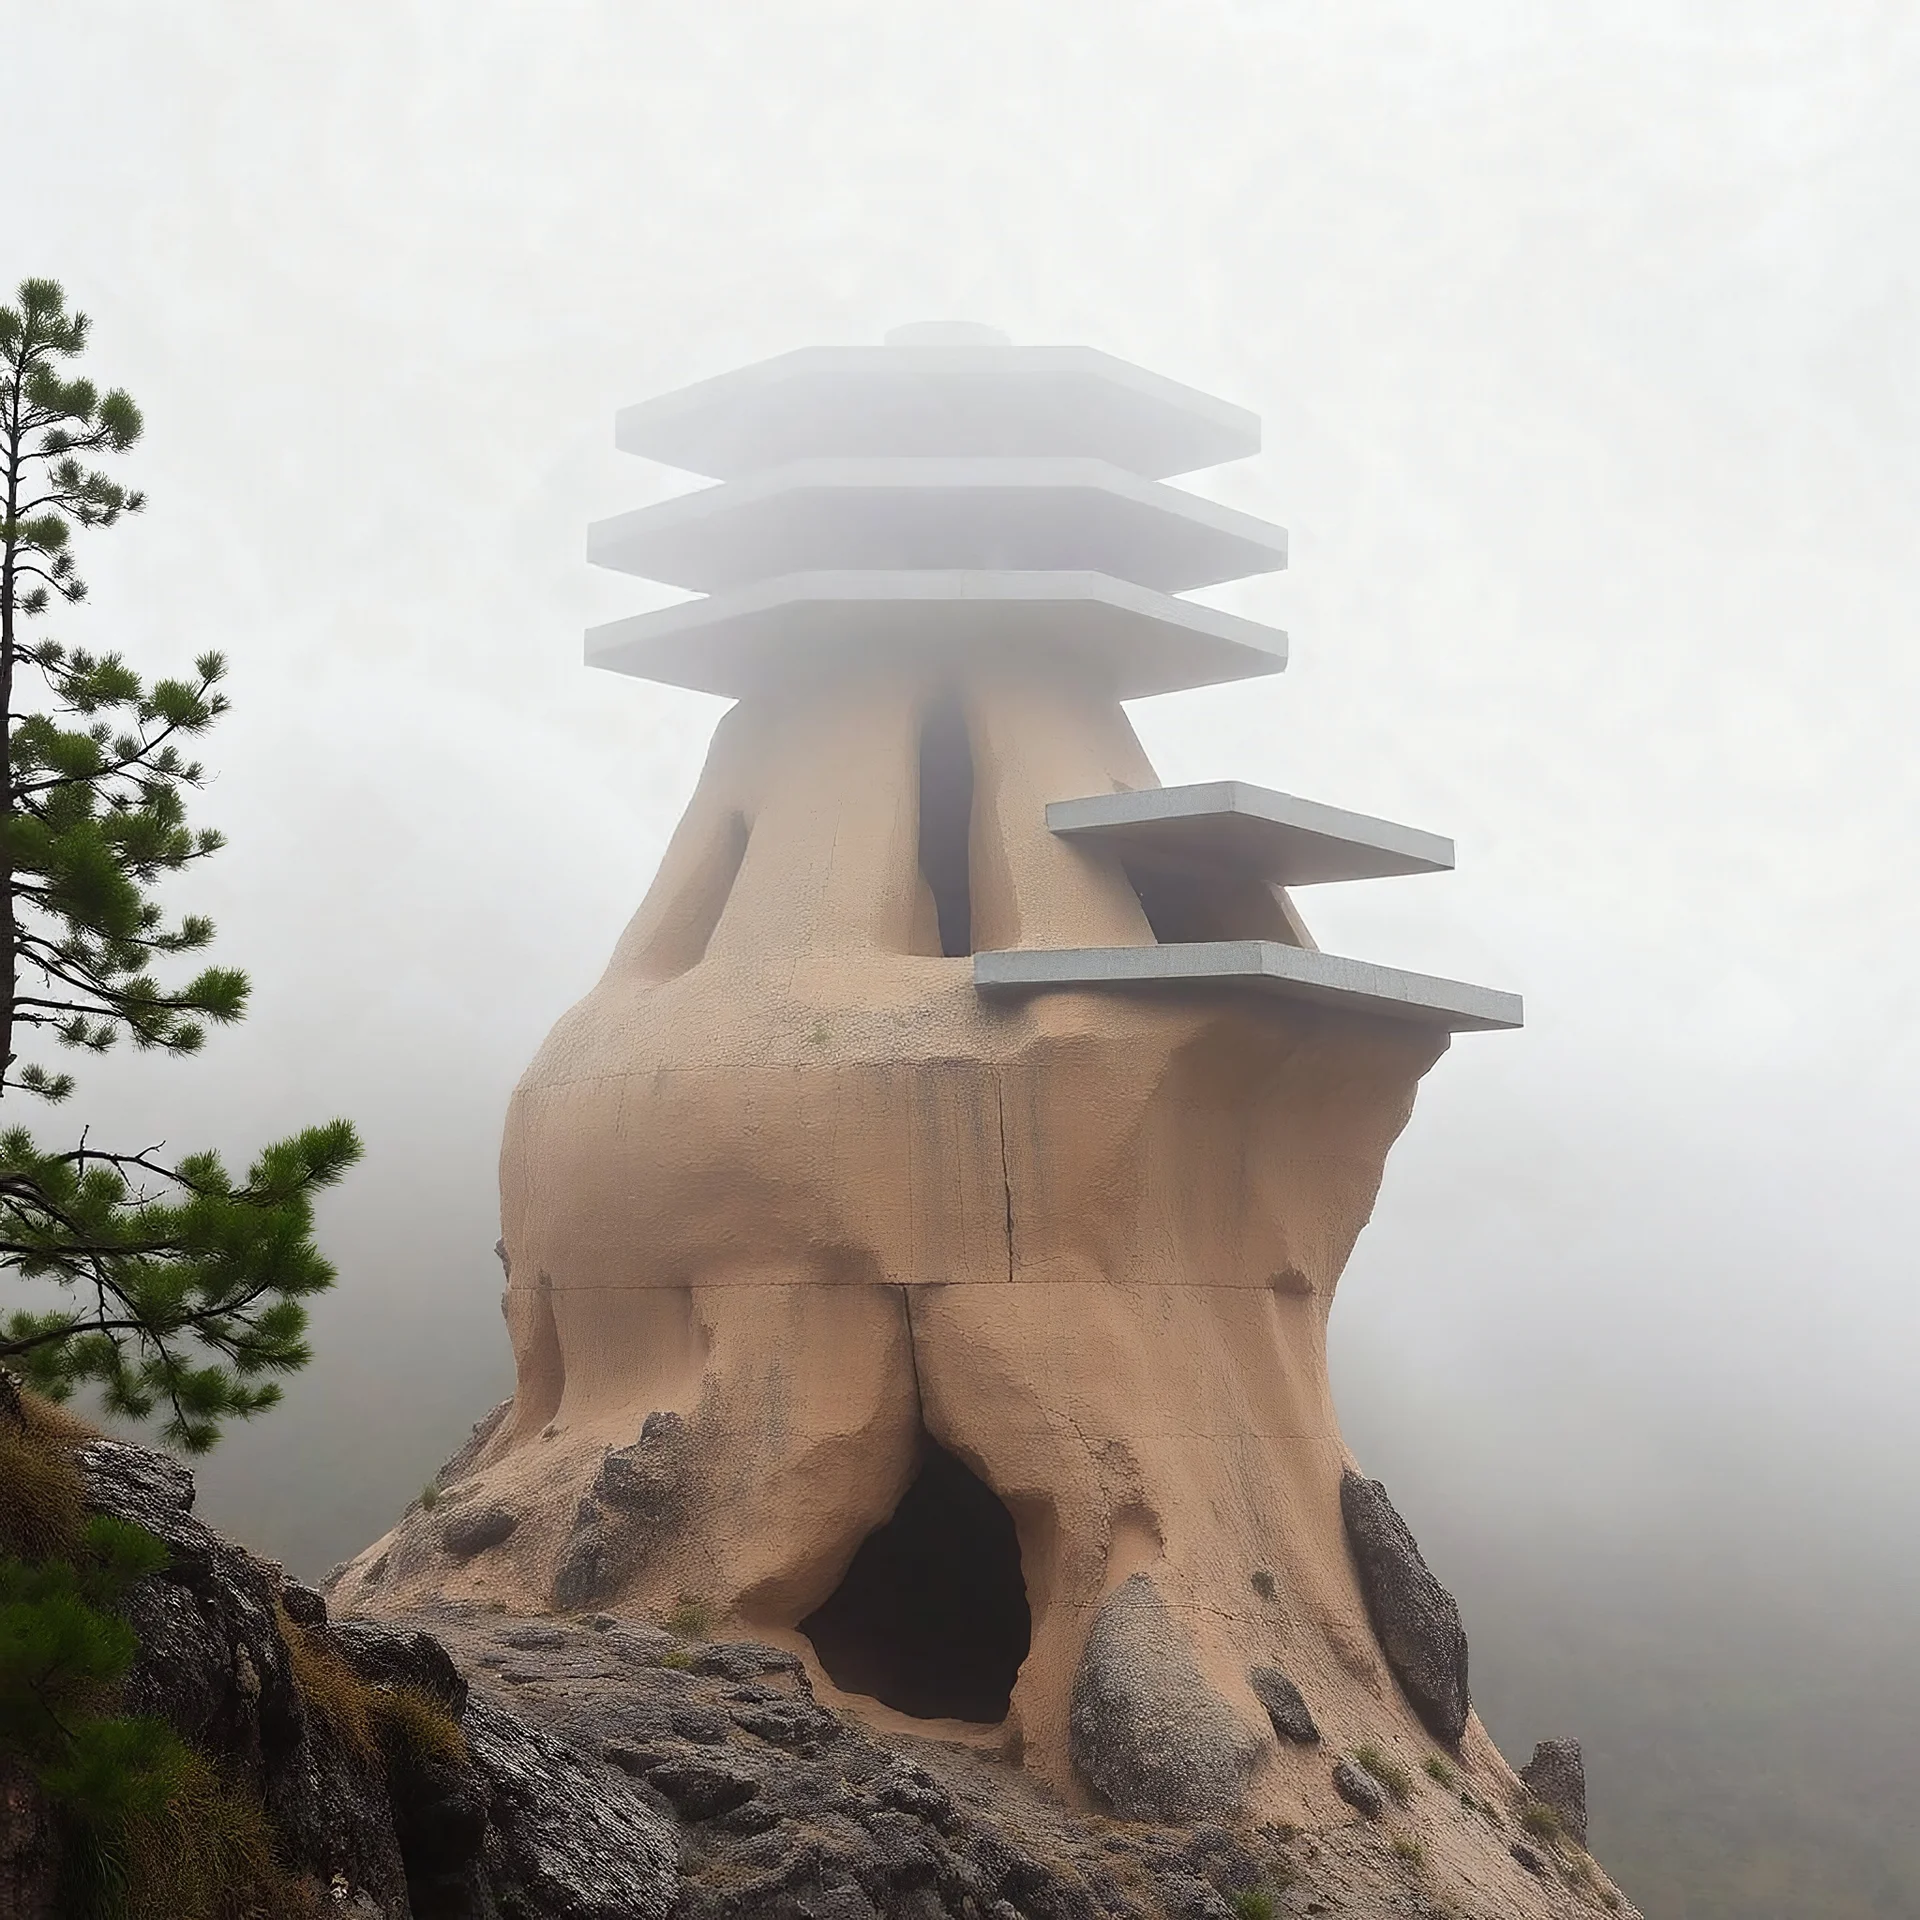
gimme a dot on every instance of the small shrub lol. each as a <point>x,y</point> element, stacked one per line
<point>1390,1773</point>
<point>1438,1770</point>
<point>1263,1583</point>
<point>677,1658</point>
<point>1254,1903</point>
<point>1542,1822</point>
<point>1408,1849</point>
<point>1609,1899</point>
<point>429,1497</point>
<point>690,1618</point>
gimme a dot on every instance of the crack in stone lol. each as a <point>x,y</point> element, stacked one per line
<point>1006,1173</point>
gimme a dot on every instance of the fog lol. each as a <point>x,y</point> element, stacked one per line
<point>1587,340</point>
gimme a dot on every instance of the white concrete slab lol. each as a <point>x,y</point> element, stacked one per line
<point>1228,823</point>
<point>1131,641</point>
<point>976,399</point>
<point>923,514</point>
<point>1265,966</point>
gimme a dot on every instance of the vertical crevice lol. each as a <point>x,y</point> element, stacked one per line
<point>1006,1171</point>
<point>946,822</point>
<point>680,939</point>
<point>913,1357</point>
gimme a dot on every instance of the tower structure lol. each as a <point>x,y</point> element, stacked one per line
<point>921,1239</point>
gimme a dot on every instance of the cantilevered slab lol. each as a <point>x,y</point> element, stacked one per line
<point>1227,823</point>
<point>926,515</point>
<point>972,400</point>
<point>1130,641</point>
<point>1292,973</point>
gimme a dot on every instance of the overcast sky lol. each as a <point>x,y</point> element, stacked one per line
<point>1587,341</point>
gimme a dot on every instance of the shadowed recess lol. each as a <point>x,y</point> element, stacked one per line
<point>946,820</point>
<point>932,1617</point>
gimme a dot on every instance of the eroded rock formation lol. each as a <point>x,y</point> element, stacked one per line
<point>948,1181</point>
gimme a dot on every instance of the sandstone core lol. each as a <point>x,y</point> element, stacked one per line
<point>921,1240</point>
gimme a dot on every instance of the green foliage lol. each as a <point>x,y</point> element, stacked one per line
<point>1389,1772</point>
<point>63,1655</point>
<point>1542,1822</point>
<point>429,1497</point>
<point>183,1287</point>
<point>1439,1771</point>
<point>1255,1903</point>
<point>1409,1850</point>
<point>690,1618</point>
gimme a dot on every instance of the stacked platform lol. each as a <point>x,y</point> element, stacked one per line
<point>949,496</point>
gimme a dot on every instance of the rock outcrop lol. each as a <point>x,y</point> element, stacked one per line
<point>1557,1777</point>
<point>1149,1734</point>
<point>1413,1615</point>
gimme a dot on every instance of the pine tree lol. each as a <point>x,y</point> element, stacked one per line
<point>181,1287</point>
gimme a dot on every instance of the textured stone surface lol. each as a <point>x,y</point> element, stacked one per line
<point>1147,1732</point>
<point>471,1530</point>
<point>572,1838</point>
<point>1284,1705</point>
<point>1413,1615</point>
<point>634,1498</point>
<point>1359,1789</point>
<point>1557,1775</point>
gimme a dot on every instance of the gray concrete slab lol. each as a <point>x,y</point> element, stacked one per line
<point>979,399</point>
<point>1265,966</point>
<point>929,514</point>
<point>1131,641</point>
<point>1228,823</point>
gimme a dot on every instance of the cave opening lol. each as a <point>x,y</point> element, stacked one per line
<point>946,822</point>
<point>931,1618</point>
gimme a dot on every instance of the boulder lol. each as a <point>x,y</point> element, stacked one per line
<point>1146,1731</point>
<point>1359,1789</point>
<point>1414,1617</point>
<point>473,1530</point>
<point>637,1494</point>
<point>1557,1776</point>
<point>1284,1705</point>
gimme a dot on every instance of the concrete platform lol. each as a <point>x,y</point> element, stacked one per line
<point>1293,973</point>
<point>925,515</point>
<point>976,399</point>
<point>1131,641</point>
<point>1227,823</point>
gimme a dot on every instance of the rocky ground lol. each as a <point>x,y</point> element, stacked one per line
<point>607,1770</point>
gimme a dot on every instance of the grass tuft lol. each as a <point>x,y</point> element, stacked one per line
<point>429,1497</point>
<point>1542,1822</point>
<point>377,1725</point>
<point>42,1507</point>
<point>1255,1903</point>
<point>1438,1770</point>
<point>690,1618</point>
<point>1410,1850</point>
<point>1390,1773</point>
<point>207,1854</point>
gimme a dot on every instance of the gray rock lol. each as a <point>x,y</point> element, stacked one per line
<point>1285,1708</point>
<point>744,1660</point>
<point>1359,1789</point>
<point>699,1785</point>
<point>1144,1728</point>
<point>636,1497</point>
<point>1529,1859</point>
<point>474,1529</point>
<point>1414,1617</point>
<point>1557,1776</point>
<point>573,1839</point>
<point>304,1606</point>
<point>474,1446</point>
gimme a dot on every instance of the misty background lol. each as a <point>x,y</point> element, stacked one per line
<point>1587,342</point>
